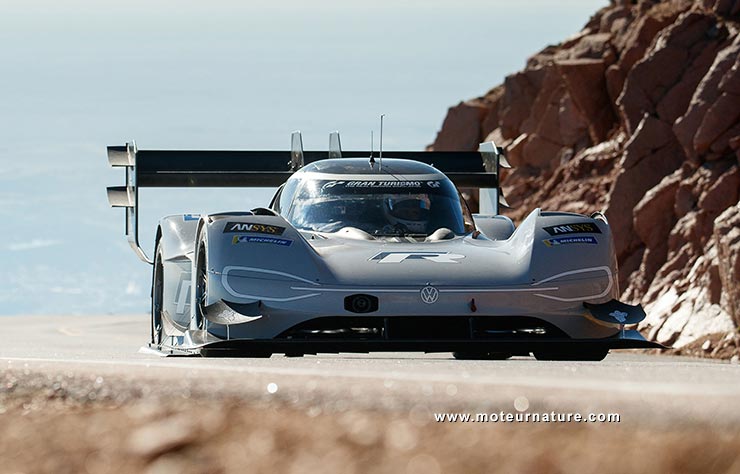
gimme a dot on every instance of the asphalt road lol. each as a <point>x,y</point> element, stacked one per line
<point>640,387</point>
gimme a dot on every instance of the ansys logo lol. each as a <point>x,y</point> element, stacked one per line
<point>580,228</point>
<point>232,227</point>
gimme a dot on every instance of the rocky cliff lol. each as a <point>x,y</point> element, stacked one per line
<point>637,115</point>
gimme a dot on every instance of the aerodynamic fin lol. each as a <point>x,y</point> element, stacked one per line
<point>121,196</point>
<point>119,156</point>
<point>335,145</point>
<point>296,151</point>
<point>502,161</point>
<point>494,159</point>
<point>501,199</point>
<point>127,196</point>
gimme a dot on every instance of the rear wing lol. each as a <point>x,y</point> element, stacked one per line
<point>269,168</point>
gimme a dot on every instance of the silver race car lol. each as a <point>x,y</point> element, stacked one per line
<point>363,253</point>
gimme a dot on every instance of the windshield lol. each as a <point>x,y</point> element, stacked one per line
<point>380,208</point>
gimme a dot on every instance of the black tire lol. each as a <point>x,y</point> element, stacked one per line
<point>201,287</point>
<point>156,326</point>
<point>594,355</point>
<point>481,355</point>
<point>216,353</point>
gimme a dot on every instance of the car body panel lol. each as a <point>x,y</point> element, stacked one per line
<point>312,276</point>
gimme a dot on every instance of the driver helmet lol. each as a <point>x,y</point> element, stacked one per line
<point>411,212</point>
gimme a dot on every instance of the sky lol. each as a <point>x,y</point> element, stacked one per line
<point>78,75</point>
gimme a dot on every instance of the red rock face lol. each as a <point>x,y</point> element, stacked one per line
<point>637,115</point>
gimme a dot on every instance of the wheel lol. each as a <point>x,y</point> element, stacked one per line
<point>481,355</point>
<point>588,355</point>
<point>201,288</point>
<point>156,326</point>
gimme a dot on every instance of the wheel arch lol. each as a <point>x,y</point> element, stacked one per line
<point>174,242</point>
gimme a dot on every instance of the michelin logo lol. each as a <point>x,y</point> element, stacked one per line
<point>242,239</point>
<point>569,240</point>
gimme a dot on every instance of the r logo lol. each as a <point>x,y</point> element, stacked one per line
<point>436,257</point>
<point>183,296</point>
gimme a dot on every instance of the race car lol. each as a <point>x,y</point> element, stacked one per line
<point>364,253</point>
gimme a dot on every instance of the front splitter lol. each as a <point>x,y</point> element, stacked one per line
<point>250,347</point>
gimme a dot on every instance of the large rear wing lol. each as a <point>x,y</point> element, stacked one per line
<point>269,168</point>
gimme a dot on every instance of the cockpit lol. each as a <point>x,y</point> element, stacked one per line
<point>379,207</point>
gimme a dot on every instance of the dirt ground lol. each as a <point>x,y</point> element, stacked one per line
<point>71,424</point>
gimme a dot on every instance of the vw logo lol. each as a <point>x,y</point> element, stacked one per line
<point>429,294</point>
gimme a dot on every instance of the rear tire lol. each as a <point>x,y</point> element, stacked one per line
<point>481,355</point>
<point>594,355</point>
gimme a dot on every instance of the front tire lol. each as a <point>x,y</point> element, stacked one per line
<point>593,355</point>
<point>156,326</point>
<point>201,287</point>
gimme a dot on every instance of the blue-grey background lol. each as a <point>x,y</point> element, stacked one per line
<point>79,75</point>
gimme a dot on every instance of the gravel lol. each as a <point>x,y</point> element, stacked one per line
<point>67,422</point>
